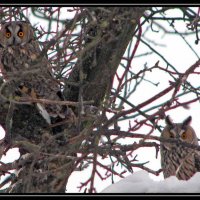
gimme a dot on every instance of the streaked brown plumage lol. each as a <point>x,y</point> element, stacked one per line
<point>23,66</point>
<point>177,160</point>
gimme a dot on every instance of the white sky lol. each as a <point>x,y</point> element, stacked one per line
<point>178,54</point>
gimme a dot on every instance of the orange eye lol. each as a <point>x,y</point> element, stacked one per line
<point>8,34</point>
<point>184,135</point>
<point>20,34</point>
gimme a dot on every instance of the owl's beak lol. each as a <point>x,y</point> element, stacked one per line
<point>14,41</point>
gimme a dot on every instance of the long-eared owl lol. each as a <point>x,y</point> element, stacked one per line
<point>26,69</point>
<point>177,160</point>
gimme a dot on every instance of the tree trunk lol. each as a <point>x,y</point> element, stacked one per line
<point>50,154</point>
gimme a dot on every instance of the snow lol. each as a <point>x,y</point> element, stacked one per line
<point>140,182</point>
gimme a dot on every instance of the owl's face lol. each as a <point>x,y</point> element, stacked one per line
<point>182,131</point>
<point>15,33</point>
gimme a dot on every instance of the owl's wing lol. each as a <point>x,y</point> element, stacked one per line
<point>1,65</point>
<point>44,113</point>
<point>197,161</point>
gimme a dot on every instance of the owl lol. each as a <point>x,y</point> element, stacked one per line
<point>177,160</point>
<point>26,69</point>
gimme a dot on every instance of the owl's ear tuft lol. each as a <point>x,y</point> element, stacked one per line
<point>187,121</point>
<point>168,121</point>
<point>28,30</point>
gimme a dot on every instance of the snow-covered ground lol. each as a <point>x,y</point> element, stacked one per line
<point>140,182</point>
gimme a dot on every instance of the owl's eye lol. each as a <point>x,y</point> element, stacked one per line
<point>20,33</point>
<point>8,34</point>
<point>184,135</point>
